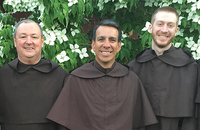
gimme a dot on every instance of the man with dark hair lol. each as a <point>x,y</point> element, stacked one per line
<point>29,85</point>
<point>103,94</point>
<point>169,75</point>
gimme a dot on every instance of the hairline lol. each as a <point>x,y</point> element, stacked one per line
<point>108,23</point>
<point>26,21</point>
<point>167,9</point>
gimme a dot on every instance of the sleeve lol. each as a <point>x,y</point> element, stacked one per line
<point>59,112</point>
<point>143,114</point>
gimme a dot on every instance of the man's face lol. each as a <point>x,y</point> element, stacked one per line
<point>29,43</point>
<point>164,29</point>
<point>106,45</point>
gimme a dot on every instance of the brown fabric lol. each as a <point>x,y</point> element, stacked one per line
<point>170,81</point>
<point>27,92</point>
<point>174,124</point>
<point>38,126</point>
<point>102,99</point>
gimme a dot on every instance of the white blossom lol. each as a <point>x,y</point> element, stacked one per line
<point>61,35</point>
<point>62,57</point>
<point>190,41</point>
<point>177,44</point>
<point>189,1</point>
<point>83,53</point>
<point>1,53</point>
<point>180,32</point>
<point>74,48</point>
<point>146,26</point>
<point>72,2</point>
<point>196,19</point>
<point>1,25</point>
<point>73,32</point>
<point>92,51</point>
<point>50,37</point>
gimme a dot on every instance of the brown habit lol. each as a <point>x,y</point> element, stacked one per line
<point>27,93</point>
<point>94,98</point>
<point>170,81</point>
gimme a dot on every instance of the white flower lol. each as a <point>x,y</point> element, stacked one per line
<point>180,32</point>
<point>179,1</point>
<point>194,47</point>
<point>123,35</point>
<point>62,57</point>
<point>189,1</point>
<point>71,2</point>
<point>92,51</point>
<point>146,26</point>
<point>180,18</point>
<point>196,19</point>
<point>83,53</point>
<point>1,53</point>
<point>74,48</point>
<point>189,41</point>
<point>61,35</point>
<point>177,44</point>
<point>50,38</point>
<point>73,32</point>
<point>1,25</point>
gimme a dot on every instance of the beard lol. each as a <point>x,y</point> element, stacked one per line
<point>159,44</point>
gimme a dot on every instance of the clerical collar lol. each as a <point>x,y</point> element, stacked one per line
<point>103,70</point>
<point>44,65</point>
<point>173,56</point>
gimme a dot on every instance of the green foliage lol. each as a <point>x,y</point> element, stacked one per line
<point>63,18</point>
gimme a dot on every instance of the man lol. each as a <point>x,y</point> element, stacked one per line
<point>103,94</point>
<point>169,75</point>
<point>29,85</point>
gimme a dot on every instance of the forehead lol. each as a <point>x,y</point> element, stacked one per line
<point>166,17</point>
<point>28,28</point>
<point>106,31</point>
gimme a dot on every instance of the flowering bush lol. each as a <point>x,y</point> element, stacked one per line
<point>62,20</point>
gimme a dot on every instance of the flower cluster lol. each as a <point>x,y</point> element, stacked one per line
<point>120,4</point>
<point>72,2</point>
<point>82,52</point>
<point>62,57</point>
<point>50,36</point>
<point>22,5</point>
<point>195,47</point>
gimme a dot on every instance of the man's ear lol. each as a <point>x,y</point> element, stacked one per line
<point>93,45</point>
<point>150,28</point>
<point>119,46</point>
<point>42,41</point>
<point>14,39</point>
<point>176,30</point>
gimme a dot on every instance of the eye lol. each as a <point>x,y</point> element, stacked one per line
<point>113,39</point>
<point>23,36</point>
<point>171,25</point>
<point>100,38</point>
<point>159,23</point>
<point>34,37</point>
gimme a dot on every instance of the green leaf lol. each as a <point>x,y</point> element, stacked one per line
<point>61,18</point>
<point>184,22</point>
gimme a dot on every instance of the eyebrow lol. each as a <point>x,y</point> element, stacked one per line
<point>110,38</point>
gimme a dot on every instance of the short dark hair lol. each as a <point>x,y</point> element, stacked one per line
<point>165,9</point>
<point>26,21</point>
<point>110,23</point>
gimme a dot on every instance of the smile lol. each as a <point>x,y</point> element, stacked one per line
<point>105,52</point>
<point>28,48</point>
